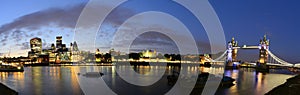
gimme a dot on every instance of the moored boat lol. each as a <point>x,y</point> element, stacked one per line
<point>11,67</point>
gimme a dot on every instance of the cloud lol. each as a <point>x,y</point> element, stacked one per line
<point>2,54</point>
<point>66,18</point>
<point>116,17</point>
<point>25,27</point>
<point>17,35</point>
<point>46,23</point>
<point>151,38</point>
<point>4,39</point>
<point>53,16</point>
<point>154,40</point>
<point>162,43</point>
<point>4,44</point>
<point>24,46</point>
<point>46,45</point>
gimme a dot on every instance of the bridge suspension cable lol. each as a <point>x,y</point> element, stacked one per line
<point>273,59</point>
<point>280,61</point>
<point>222,57</point>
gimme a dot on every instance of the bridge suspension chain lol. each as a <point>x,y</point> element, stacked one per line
<point>222,57</point>
<point>272,59</point>
<point>280,61</point>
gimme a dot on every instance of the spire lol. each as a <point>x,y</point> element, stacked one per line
<point>265,38</point>
<point>260,41</point>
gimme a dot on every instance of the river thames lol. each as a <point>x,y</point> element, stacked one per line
<point>63,80</point>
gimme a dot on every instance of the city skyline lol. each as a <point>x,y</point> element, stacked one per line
<point>247,21</point>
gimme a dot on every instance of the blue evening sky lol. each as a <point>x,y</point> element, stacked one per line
<point>12,9</point>
<point>246,20</point>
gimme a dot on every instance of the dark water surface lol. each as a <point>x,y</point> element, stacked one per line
<point>64,80</point>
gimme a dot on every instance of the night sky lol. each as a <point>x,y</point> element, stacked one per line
<point>246,20</point>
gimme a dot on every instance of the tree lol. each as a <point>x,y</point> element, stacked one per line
<point>167,56</point>
<point>107,57</point>
<point>134,56</point>
<point>160,56</point>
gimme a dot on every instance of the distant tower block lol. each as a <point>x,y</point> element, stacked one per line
<point>263,49</point>
<point>75,53</point>
<point>232,51</point>
<point>58,42</point>
<point>36,45</point>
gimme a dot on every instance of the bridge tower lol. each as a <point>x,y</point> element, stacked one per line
<point>263,50</point>
<point>232,50</point>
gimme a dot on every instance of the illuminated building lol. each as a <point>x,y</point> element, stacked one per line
<point>232,51</point>
<point>149,53</point>
<point>56,54</point>
<point>98,56</point>
<point>263,50</point>
<point>75,53</point>
<point>37,55</point>
<point>36,45</point>
<point>60,52</point>
<point>59,42</point>
<point>52,55</point>
<point>36,48</point>
<point>229,52</point>
<point>113,53</point>
<point>205,58</point>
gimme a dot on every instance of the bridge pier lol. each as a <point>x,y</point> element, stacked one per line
<point>263,54</point>
<point>262,67</point>
<point>232,54</point>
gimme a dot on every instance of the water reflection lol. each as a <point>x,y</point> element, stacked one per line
<point>43,80</point>
<point>64,80</point>
<point>250,82</point>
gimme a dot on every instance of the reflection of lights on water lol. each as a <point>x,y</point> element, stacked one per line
<point>113,71</point>
<point>260,80</point>
<point>206,69</point>
<point>4,75</point>
<point>235,74</point>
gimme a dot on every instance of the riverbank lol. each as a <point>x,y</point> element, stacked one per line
<point>6,90</point>
<point>290,87</point>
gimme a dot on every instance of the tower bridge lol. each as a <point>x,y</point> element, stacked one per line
<point>266,57</point>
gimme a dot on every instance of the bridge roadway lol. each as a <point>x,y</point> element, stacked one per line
<point>247,47</point>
